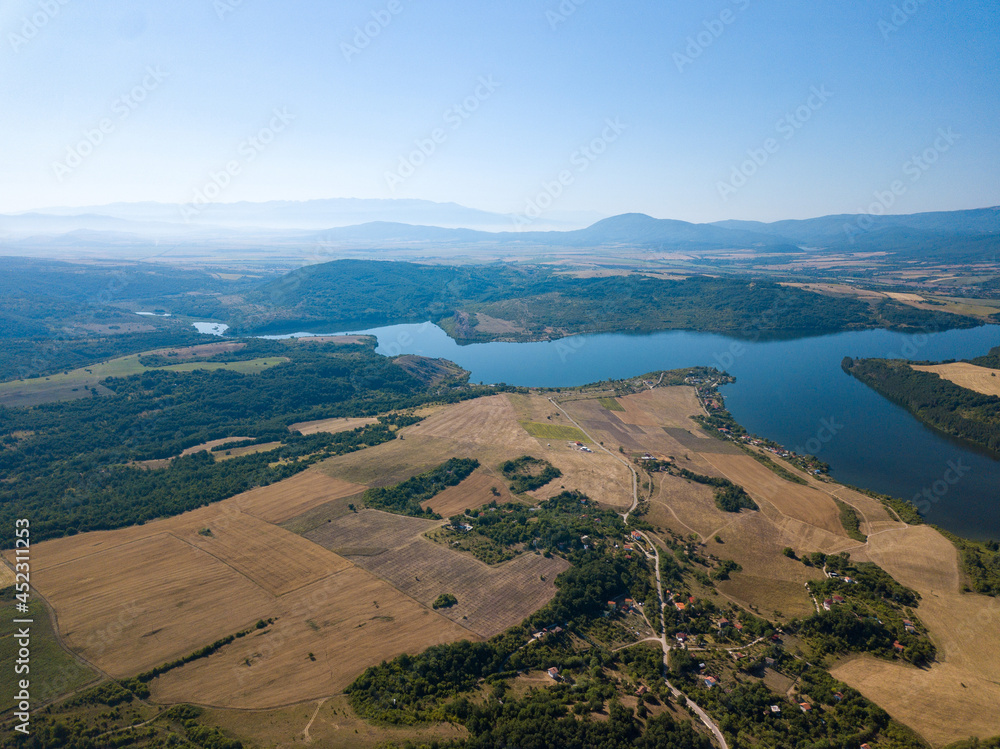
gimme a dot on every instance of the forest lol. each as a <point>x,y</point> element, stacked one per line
<point>406,497</point>
<point>942,404</point>
<point>537,300</point>
<point>527,473</point>
<point>74,466</point>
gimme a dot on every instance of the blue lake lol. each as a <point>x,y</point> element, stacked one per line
<point>791,391</point>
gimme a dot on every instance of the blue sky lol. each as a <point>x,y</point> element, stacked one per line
<point>510,101</point>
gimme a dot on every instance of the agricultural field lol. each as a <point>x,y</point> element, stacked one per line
<point>211,445</point>
<point>473,492</point>
<point>957,695</point>
<point>554,432</point>
<point>488,430</point>
<point>139,604</point>
<point>369,532</point>
<point>490,598</point>
<point>332,426</point>
<point>965,680</point>
<point>280,502</point>
<point>239,452</point>
<point>981,379</point>
<point>132,599</point>
<point>346,621</point>
<point>611,404</point>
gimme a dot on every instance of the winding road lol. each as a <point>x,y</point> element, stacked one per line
<point>655,555</point>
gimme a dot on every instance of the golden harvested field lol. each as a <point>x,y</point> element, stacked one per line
<point>348,621</point>
<point>490,598</point>
<point>802,503</point>
<point>769,580</point>
<point>290,498</point>
<point>804,517</point>
<point>239,452</point>
<point>136,606</point>
<point>209,445</point>
<point>483,421</point>
<point>655,421</point>
<point>685,506</point>
<point>662,407</point>
<point>134,598</point>
<point>957,696</point>
<point>330,723</point>
<point>944,705</point>
<point>331,426</point>
<point>394,461</point>
<point>981,379</point>
<point>277,560</point>
<point>903,297</point>
<point>369,532</point>
<point>598,475</point>
<point>471,493</point>
<point>486,429</point>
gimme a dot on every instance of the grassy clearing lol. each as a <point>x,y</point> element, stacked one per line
<point>88,377</point>
<point>54,672</point>
<point>554,432</point>
<point>611,404</point>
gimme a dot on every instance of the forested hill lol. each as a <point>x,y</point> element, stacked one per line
<point>480,303</point>
<point>79,465</point>
<point>942,404</point>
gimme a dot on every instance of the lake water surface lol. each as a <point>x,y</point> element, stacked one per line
<point>791,391</point>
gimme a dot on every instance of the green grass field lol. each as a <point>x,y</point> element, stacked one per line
<point>553,431</point>
<point>69,385</point>
<point>611,404</point>
<point>53,671</point>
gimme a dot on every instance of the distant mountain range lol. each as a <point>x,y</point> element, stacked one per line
<point>304,214</point>
<point>344,224</point>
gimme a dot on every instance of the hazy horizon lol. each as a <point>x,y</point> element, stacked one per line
<point>705,112</point>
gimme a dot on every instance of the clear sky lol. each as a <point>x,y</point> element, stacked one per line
<point>506,98</point>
